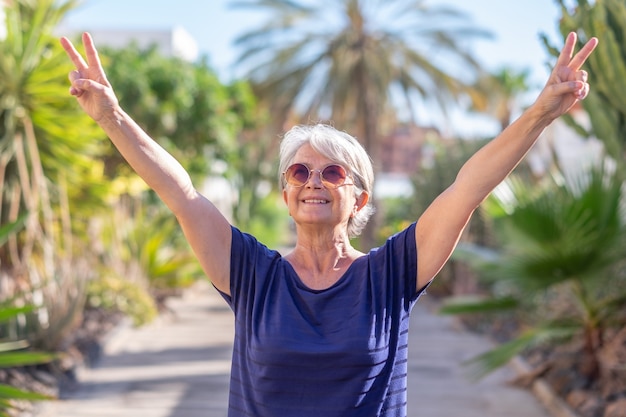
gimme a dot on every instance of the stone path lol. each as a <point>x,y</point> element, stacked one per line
<point>179,366</point>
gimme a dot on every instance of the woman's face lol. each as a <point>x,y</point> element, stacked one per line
<point>316,204</point>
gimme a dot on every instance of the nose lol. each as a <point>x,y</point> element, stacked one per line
<point>315,179</point>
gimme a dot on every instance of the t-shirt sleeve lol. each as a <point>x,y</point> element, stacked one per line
<point>396,260</point>
<point>251,263</point>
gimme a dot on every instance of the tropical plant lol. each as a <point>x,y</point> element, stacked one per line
<point>443,160</point>
<point>502,92</point>
<point>47,150</point>
<point>158,245</point>
<point>606,103</point>
<point>143,258</point>
<point>560,268</point>
<point>13,354</point>
<point>12,351</point>
<point>118,294</point>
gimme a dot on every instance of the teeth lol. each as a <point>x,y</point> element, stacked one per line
<point>316,201</point>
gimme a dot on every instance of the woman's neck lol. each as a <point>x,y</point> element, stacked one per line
<point>321,260</point>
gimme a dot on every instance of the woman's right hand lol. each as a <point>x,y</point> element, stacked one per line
<point>89,83</point>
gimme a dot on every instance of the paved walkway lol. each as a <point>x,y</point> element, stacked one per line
<point>178,367</point>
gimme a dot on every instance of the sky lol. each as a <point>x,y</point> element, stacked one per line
<point>516,26</point>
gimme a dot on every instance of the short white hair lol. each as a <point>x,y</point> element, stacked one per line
<point>340,148</point>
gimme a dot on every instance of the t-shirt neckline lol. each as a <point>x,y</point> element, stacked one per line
<point>293,274</point>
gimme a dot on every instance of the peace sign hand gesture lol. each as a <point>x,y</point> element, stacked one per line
<point>567,83</point>
<point>89,83</point>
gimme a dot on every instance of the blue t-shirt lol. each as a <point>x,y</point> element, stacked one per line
<point>341,351</point>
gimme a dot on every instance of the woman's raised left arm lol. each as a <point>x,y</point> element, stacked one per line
<point>440,226</point>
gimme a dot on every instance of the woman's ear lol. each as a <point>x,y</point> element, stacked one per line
<point>360,202</point>
<point>286,200</point>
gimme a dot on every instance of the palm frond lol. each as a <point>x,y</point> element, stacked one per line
<point>8,392</point>
<point>570,230</point>
<point>472,305</point>
<point>8,313</point>
<point>359,51</point>
<point>12,358</point>
<point>485,363</point>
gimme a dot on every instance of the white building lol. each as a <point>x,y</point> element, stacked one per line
<point>176,41</point>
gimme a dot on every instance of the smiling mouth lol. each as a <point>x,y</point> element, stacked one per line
<point>316,201</point>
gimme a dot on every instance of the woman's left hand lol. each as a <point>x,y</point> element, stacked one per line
<point>567,83</point>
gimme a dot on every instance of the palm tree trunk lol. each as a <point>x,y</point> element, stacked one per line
<point>590,365</point>
<point>367,120</point>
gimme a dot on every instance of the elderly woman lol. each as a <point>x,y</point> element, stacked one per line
<point>323,330</point>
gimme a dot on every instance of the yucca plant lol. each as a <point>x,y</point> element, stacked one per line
<point>563,245</point>
<point>47,149</point>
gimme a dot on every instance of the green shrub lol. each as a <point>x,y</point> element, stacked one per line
<point>119,294</point>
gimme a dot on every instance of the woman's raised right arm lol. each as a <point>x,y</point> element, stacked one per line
<point>206,229</point>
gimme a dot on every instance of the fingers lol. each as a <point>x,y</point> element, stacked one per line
<point>82,85</point>
<point>577,85</point>
<point>568,50</point>
<point>583,92</point>
<point>565,57</point>
<point>74,89</point>
<point>74,75</point>
<point>92,67</point>
<point>93,60</point>
<point>76,92</point>
<point>578,89</point>
<point>567,69</point>
<point>581,57</point>
<point>76,58</point>
<point>92,54</point>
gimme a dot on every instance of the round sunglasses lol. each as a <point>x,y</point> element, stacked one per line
<point>331,176</point>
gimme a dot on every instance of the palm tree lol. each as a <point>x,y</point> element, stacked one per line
<point>354,64</point>
<point>502,92</point>
<point>349,60</point>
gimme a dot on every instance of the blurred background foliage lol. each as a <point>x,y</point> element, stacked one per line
<point>80,232</point>
<point>559,266</point>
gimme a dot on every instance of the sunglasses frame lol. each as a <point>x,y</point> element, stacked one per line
<point>324,182</point>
